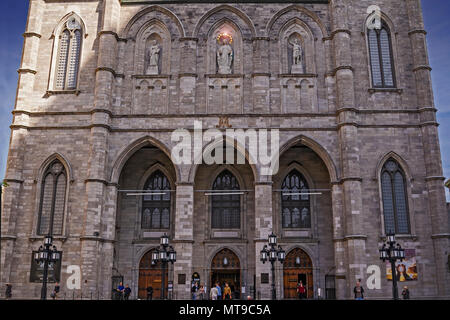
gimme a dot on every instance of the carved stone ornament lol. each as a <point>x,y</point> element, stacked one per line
<point>73,24</point>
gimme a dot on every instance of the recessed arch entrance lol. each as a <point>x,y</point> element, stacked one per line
<point>226,268</point>
<point>150,275</point>
<point>297,267</point>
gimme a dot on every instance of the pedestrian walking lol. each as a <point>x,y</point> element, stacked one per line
<point>8,292</point>
<point>358,290</point>
<point>149,293</point>
<point>213,293</point>
<point>301,290</point>
<point>405,293</point>
<point>226,292</point>
<point>126,292</point>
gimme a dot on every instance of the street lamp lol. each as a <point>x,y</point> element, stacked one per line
<point>45,255</point>
<point>164,254</point>
<point>273,254</point>
<point>392,252</point>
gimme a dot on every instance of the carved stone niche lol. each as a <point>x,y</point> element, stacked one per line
<point>152,51</point>
<point>224,49</point>
<point>297,43</point>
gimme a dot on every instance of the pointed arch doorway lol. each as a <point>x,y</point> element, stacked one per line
<point>151,275</point>
<point>297,267</point>
<point>226,267</point>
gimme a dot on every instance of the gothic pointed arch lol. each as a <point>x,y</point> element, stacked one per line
<point>394,197</point>
<point>67,53</point>
<point>53,198</point>
<point>169,18</point>
<point>381,50</point>
<point>126,152</point>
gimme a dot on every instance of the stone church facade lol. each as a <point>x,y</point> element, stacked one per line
<point>103,84</point>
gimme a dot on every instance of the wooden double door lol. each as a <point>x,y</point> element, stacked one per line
<point>151,275</point>
<point>297,268</point>
<point>232,277</point>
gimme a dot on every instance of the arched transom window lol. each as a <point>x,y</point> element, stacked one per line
<point>53,196</point>
<point>381,59</point>
<point>226,208</point>
<point>295,201</point>
<point>395,206</point>
<point>156,202</point>
<point>68,58</point>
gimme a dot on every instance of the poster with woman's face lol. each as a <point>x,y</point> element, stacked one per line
<point>406,269</point>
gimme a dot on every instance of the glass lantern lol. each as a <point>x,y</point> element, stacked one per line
<point>273,239</point>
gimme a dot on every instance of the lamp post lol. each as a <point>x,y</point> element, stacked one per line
<point>46,255</point>
<point>273,254</point>
<point>164,254</point>
<point>392,252</point>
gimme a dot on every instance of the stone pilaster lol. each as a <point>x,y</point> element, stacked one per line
<point>353,239</point>
<point>339,243</point>
<point>261,75</point>
<point>263,228</point>
<point>96,184</point>
<point>183,238</point>
<point>188,75</point>
<point>440,232</point>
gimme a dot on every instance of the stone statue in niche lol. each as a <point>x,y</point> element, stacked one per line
<point>224,56</point>
<point>152,58</point>
<point>297,57</point>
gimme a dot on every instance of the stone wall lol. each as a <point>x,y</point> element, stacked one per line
<point>102,130</point>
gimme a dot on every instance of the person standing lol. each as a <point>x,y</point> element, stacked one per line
<point>405,293</point>
<point>120,290</point>
<point>219,291</point>
<point>226,292</point>
<point>149,293</point>
<point>301,290</point>
<point>126,292</point>
<point>195,288</point>
<point>200,293</point>
<point>358,291</point>
<point>8,292</point>
<point>214,293</point>
<point>55,292</point>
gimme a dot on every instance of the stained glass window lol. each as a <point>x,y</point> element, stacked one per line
<point>295,201</point>
<point>226,209</point>
<point>156,204</point>
<point>381,61</point>
<point>53,196</point>
<point>395,207</point>
<point>69,51</point>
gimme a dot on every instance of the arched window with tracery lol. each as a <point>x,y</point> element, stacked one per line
<point>156,202</point>
<point>226,207</point>
<point>53,198</point>
<point>395,204</point>
<point>295,201</point>
<point>381,57</point>
<point>69,55</point>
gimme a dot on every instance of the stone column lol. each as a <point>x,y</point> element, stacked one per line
<point>97,182</point>
<point>263,228</point>
<point>354,238</point>
<point>183,238</point>
<point>17,148</point>
<point>433,163</point>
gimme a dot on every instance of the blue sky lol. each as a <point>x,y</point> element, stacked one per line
<point>13,15</point>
